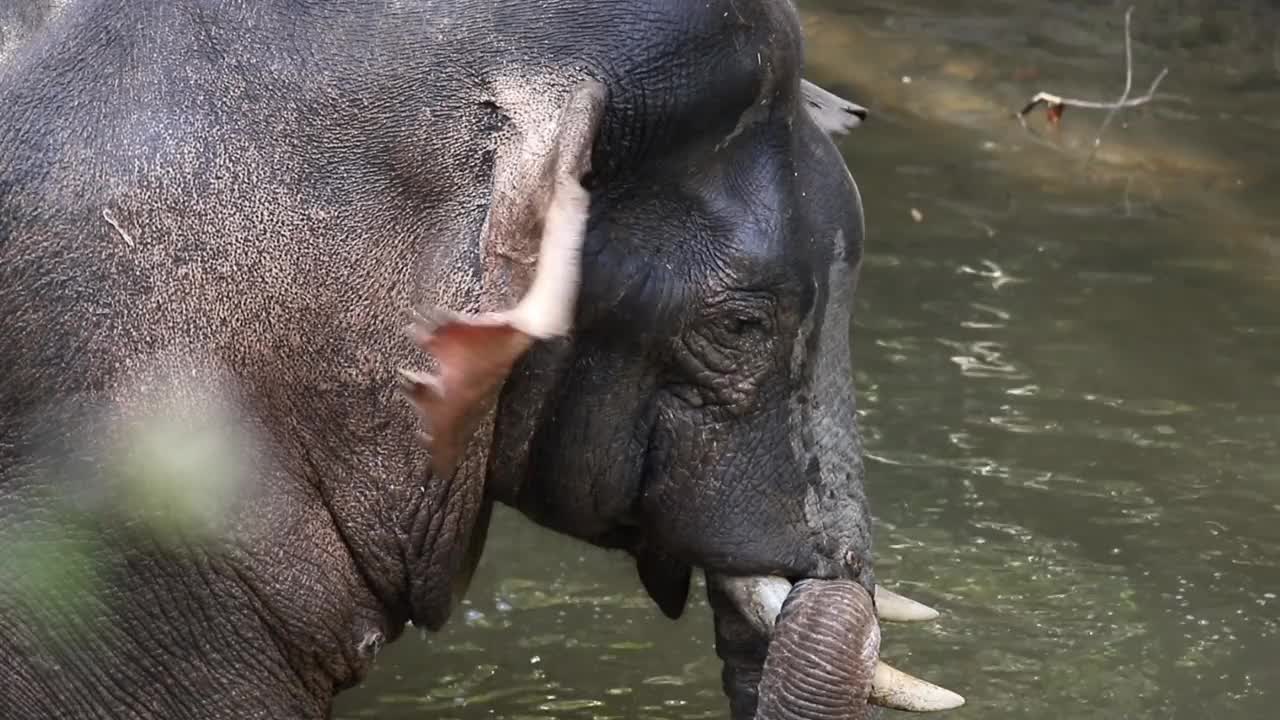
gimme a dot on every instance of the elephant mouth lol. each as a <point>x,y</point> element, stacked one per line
<point>803,647</point>
<point>821,656</point>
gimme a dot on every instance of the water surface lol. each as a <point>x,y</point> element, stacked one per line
<point>1069,379</point>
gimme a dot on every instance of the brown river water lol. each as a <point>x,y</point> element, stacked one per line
<point>1069,379</point>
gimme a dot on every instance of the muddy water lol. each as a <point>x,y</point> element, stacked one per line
<point>1070,384</point>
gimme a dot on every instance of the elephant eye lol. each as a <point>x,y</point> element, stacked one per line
<point>740,323</point>
<point>743,321</point>
<point>744,325</point>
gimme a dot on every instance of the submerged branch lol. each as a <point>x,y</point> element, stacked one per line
<point>1056,104</point>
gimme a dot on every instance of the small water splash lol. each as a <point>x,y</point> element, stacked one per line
<point>992,272</point>
<point>983,359</point>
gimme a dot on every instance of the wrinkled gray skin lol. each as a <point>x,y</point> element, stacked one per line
<point>231,205</point>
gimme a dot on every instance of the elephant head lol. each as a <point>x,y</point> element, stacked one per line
<point>640,245</point>
<point>676,380</point>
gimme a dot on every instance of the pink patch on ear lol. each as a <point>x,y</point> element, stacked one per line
<point>475,353</point>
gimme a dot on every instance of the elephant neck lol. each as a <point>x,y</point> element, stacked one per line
<point>523,407</point>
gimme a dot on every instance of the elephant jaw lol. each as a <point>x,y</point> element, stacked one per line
<point>762,602</point>
<point>665,577</point>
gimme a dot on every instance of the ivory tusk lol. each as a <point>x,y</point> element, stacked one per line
<point>894,689</point>
<point>759,598</point>
<point>893,607</point>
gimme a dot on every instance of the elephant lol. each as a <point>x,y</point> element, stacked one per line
<point>624,246</point>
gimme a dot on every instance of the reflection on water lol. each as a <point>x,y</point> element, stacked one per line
<point>1069,380</point>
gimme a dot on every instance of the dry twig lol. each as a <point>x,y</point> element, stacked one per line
<point>1056,104</point>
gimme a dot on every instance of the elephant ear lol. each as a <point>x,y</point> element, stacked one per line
<point>832,113</point>
<point>537,217</point>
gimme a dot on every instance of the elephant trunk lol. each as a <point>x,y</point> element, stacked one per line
<point>810,651</point>
<point>822,658</point>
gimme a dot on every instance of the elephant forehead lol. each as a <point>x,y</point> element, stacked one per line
<point>693,69</point>
<point>765,31</point>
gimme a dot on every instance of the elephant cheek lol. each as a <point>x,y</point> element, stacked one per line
<point>822,656</point>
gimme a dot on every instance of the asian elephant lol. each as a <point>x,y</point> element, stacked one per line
<point>227,477</point>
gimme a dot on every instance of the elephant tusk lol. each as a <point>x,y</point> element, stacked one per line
<point>758,598</point>
<point>896,690</point>
<point>892,607</point>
